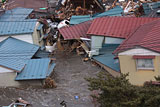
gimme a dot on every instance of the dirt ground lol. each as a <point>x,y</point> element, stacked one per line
<point>70,72</point>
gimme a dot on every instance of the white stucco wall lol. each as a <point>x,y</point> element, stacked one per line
<point>139,51</point>
<point>25,37</point>
<point>4,70</point>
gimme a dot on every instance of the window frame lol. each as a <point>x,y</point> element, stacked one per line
<point>141,68</point>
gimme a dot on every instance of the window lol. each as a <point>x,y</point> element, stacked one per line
<point>145,64</point>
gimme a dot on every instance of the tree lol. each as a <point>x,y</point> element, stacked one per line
<point>118,92</point>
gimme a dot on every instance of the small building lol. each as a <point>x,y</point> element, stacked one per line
<point>17,63</point>
<point>139,54</point>
<point>14,23</point>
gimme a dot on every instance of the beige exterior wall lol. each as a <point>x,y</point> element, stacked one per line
<point>138,77</point>
<point>8,80</point>
<point>36,36</point>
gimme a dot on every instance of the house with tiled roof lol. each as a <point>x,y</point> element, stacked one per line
<point>107,33</point>
<point>18,62</point>
<point>14,23</point>
<point>139,54</point>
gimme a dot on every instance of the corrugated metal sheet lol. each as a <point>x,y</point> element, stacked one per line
<point>14,52</point>
<point>150,6</point>
<point>76,31</point>
<point>17,27</point>
<point>12,63</point>
<point>107,58</point>
<point>112,12</point>
<point>35,69</point>
<point>153,13</point>
<point>119,27</point>
<point>146,36</point>
<point>14,48</point>
<point>16,14</point>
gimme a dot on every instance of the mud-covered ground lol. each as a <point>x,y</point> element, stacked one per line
<point>70,72</point>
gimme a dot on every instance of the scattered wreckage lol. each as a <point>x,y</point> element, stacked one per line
<point>19,103</point>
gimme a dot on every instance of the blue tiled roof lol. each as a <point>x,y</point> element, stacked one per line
<point>14,22</point>
<point>107,58</point>
<point>117,11</point>
<point>14,48</point>
<point>15,64</point>
<point>36,69</point>
<point>17,27</point>
<point>16,14</point>
<point>14,52</point>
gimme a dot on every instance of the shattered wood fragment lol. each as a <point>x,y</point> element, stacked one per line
<point>50,83</point>
<point>85,59</point>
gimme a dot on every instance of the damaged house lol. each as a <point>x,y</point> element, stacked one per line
<point>18,66</point>
<point>141,50</point>
<point>77,19</point>
<point>107,33</point>
<point>77,33</point>
<point>15,23</point>
<point>40,7</point>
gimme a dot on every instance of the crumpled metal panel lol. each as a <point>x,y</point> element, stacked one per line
<point>76,31</point>
<point>14,52</point>
<point>35,69</point>
<point>116,11</point>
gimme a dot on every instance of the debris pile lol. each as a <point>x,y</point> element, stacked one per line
<point>19,103</point>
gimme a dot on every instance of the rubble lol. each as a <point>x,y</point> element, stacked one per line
<point>49,83</point>
<point>19,103</point>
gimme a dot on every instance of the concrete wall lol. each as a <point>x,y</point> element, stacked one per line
<point>8,80</point>
<point>138,77</point>
<point>24,37</point>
